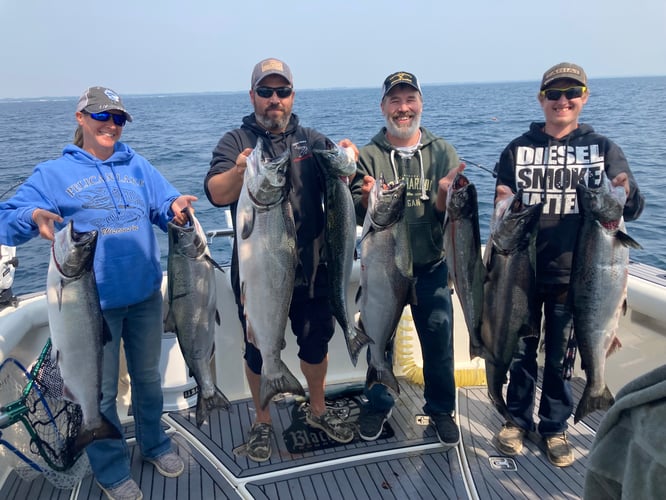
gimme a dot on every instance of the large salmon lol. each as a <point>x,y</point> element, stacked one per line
<point>387,284</point>
<point>599,286</point>
<point>462,242</point>
<point>340,240</point>
<point>192,308</point>
<point>78,329</point>
<point>267,259</point>
<point>509,310</point>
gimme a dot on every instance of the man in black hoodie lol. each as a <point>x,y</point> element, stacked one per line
<point>272,96</point>
<point>546,163</point>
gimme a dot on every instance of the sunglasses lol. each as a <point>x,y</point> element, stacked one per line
<point>104,116</point>
<point>570,93</point>
<point>266,92</point>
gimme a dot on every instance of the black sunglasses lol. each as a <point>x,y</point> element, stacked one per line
<point>569,93</point>
<point>266,92</point>
<point>104,116</point>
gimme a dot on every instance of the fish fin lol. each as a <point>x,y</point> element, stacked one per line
<point>170,322</point>
<point>359,292</point>
<point>286,382</point>
<point>247,225</point>
<point>385,377</point>
<point>589,404</point>
<point>205,405</point>
<point>627,240</point>
<point>106,332</point>
<point>214,263</point>
<point>356,338</point>
<point>218,320</point>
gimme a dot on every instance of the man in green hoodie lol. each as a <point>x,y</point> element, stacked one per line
<point>405,150</point>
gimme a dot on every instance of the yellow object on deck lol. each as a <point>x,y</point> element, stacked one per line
<point>408,357</point>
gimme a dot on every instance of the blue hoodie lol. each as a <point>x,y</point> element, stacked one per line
<point>121,197</point>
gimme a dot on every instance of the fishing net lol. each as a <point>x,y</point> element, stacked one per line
<point>37,427</point>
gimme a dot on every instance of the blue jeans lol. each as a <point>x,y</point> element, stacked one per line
<point>140,327</point>
<point>433,319</point>
<point>556,402</point>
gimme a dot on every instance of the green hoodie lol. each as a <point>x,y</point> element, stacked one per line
<point>422,172</point>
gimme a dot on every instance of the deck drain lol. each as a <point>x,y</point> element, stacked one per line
<point>502,463</point>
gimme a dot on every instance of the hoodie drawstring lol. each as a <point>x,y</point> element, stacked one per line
<point>115,178</point>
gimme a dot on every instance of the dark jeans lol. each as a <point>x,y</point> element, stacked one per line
<point>556,402</point>
<point>433,319</point>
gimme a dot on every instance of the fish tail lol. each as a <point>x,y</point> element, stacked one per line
<point>105,430</point>
<point>386,377</point>
<point>496,379</point>
<point>588,403</point>
<point>271,387</point>
<point>356,338</point>
<point>206,405</point>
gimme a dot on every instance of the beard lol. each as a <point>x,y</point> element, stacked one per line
<point>273,124</point>
<point>403,132</point>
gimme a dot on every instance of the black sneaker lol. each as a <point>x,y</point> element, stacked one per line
<point>446,428</point>
<point>371,422</point>
<point>258,446</point>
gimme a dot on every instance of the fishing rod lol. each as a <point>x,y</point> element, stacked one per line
<point>15,185</point>
<point>464,160</point>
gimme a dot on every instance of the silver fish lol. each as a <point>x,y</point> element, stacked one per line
<point>192,308</point>
<point>340,240</point>
<point>267,259</point>
<point>387,283</point>
<point>462,242</point>
<point>78,329</point>
<point>599,287</point>
<point>509,309</point>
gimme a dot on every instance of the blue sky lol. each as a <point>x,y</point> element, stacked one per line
<point>52,48</point>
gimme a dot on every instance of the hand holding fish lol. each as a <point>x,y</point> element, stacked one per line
<point>443,187</point>
<point>179,204</point>
<point>45,221</point>
<point>502,193</point>
<point>241,161</point>
<point>621,180</point>
<point>368,183</point>
<point>352,153</point>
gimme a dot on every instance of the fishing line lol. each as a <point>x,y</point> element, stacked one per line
<point>15,185</point>
<point>494,174</point>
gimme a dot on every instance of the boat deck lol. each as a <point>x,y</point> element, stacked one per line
<point>407,461</point>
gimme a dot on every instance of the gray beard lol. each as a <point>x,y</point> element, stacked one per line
<point>403,132</point>
<point>277,125</point>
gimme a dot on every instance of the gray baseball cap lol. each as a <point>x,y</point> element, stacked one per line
<point>270,66</point>
<point>562,70</point>
<point>98,99</point>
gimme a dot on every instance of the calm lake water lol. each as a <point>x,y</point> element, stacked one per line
<point>178,132</point>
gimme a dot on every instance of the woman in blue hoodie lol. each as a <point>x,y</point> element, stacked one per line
<point>102,184</point>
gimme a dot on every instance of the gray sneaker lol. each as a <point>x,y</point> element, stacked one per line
<point>169,464</point>
<point>510,439</point>
<point>331,424</point>
<point>559,450</point>
<point>127,490</point>
<point>258,446</point>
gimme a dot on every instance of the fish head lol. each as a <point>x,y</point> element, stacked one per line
<point>266,179</point>
<point>461,198</point>
<point>188,240</point>
<point>73,252</point>
<point>336,161</point>
<point>604,203</point>
<point>386,204</point>
<point>517,225</point>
